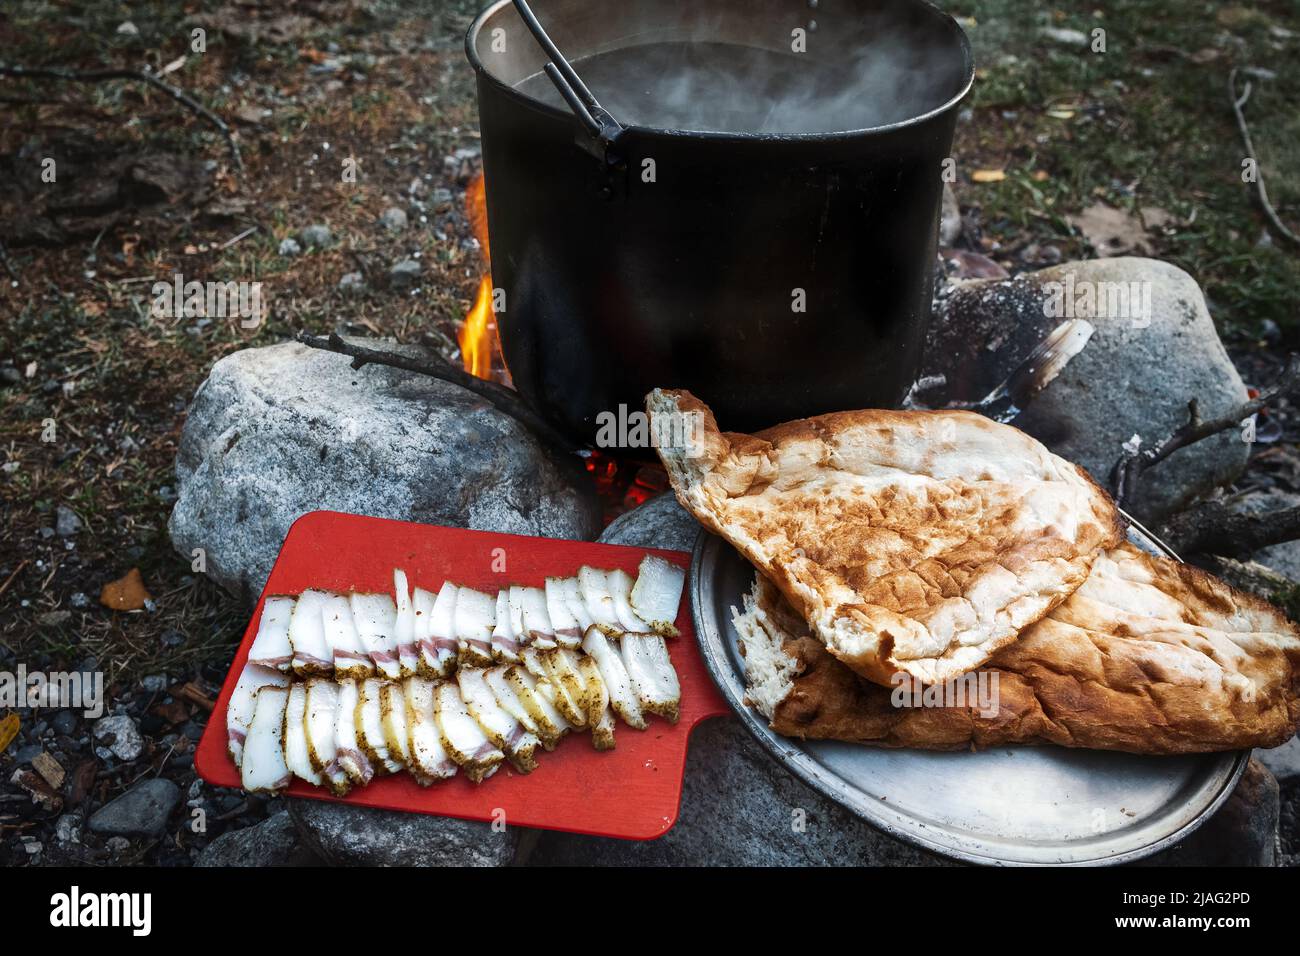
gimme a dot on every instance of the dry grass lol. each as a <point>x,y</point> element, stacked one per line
<point>114,378</point>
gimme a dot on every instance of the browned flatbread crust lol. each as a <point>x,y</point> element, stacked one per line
<point>910,541</point>
<point>1150,656</point>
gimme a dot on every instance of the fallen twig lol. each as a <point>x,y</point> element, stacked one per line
<point>243,235</point>
<point>1134,461</point>
<point>1238,104</point>
<point>142,76</point>
<point>505,399</point>
<point>10,580</point>
<point>194,694</point>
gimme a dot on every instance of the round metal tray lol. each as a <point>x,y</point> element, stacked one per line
<point>1006,805</point>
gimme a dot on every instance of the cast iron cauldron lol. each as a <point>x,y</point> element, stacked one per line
<point>614,284</point>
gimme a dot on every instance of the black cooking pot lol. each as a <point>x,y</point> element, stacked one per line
<point>774,274</point>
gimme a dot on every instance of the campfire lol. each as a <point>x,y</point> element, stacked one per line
<point>621,484</point>
<point>479,337</point>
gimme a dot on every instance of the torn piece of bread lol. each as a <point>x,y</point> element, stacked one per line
<point>1148,656</point>
<point>920,542</point>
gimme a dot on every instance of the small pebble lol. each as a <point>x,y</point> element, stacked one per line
<point>315,236</point>
<point>393,219</point>
<point>68,829</point>
<point>404,275</point>
<point>64,722</point>
<point>289,247</point>
<point>119,736</point>
<point>66,522</point>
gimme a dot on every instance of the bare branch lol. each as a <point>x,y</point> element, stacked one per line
<point>141,76</point>
<point>1135,461</point>
<point>1238,104</point>
<point>505,399</point>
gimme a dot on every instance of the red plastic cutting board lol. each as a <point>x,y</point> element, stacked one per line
<point>631,792</point>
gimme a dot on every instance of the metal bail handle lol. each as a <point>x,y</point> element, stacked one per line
<point>601,128</point>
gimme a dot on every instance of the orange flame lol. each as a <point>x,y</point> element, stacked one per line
<point>478,337</point>
<point>476,210</point>
<point>478,333</point>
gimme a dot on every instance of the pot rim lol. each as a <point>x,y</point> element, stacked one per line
<point>471,54</point>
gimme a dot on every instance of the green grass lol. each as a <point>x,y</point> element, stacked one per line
<point>1152,126</point>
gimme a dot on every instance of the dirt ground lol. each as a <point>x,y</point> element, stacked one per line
<point>94,387</point>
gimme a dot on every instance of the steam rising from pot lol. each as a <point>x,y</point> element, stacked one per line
<point>699,85</point>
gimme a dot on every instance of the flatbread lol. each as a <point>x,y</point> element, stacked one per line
<point>1148,656</point>
<point>920,542</point>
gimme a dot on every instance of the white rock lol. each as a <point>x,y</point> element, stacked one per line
<point>126,743</point>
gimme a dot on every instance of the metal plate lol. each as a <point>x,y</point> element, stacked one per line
<point>1007,805</point>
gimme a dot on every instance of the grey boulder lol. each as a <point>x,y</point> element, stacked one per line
<point>283,430</point>
<point>142,811</point>
<point>273,842</point>
<point>346,835</point>
<point>1283,762</point>
<point>739,807</point>
<point>1242,832</point>
<point>659,523</point>
<point>1147,358</point>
